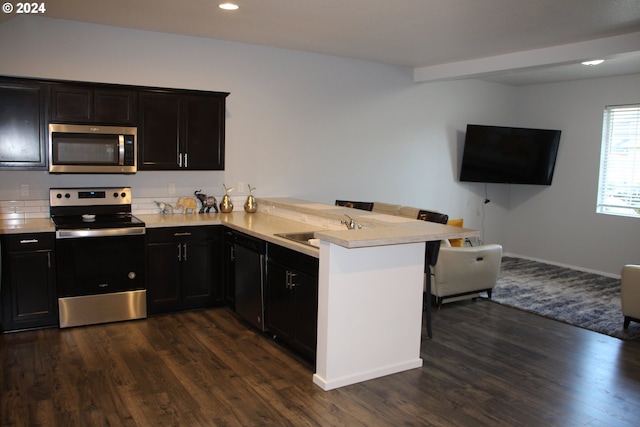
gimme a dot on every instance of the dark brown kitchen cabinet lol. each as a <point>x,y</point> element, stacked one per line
<point>184,268</point>
<point>22,125</point>
<point>229,270</point>
<point>181,130</point>
<point>28,281</point>
<point>106,105</point>
<point>291,307</point>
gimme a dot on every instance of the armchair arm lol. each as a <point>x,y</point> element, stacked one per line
<point>466,269</point>
<point>630,291</point>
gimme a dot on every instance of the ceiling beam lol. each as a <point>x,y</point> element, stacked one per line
<point>556,55</point>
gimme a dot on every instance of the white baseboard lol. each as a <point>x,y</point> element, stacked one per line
<point>365,376</point>
<point>573,267</point>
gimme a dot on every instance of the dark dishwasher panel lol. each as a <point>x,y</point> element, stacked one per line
<point>248,258</point>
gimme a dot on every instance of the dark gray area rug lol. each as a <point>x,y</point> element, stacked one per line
<point>587,300</point>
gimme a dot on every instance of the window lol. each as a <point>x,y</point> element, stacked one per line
<point>619,185</point>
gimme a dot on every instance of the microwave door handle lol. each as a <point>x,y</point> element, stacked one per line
<point>120,150</point>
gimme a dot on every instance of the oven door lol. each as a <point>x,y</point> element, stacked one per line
<point>100,265</point>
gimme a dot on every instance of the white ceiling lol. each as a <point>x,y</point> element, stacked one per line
<point>509,41</point>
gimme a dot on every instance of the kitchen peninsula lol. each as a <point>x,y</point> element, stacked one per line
<point>370,279</point>
<point>369,291</point>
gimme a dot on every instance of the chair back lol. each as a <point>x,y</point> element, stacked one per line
<point>365,206</point>
<point>433,248</point>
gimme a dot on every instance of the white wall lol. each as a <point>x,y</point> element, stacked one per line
<point>559,223</point>
<point>298,124</point>
<point>321,128</point>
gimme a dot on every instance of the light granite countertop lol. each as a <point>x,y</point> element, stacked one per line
<point>288,215</point>
<point>26,225</point>
<point>377,229</point>
<point>261,225</point>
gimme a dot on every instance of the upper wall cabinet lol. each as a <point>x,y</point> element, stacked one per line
<point>181,130</point>
<point>90,104</point>
<point>177,129</point>
<point>22,125</point>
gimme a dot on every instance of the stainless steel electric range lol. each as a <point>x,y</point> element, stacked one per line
<point>100,256</point>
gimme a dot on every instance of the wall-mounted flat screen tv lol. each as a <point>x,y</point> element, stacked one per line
<point>509,155</point>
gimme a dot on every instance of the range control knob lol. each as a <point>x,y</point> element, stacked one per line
<point>67,196</point>
<point>58,196</point>
<point>123,194</point>
<point>115,194</point>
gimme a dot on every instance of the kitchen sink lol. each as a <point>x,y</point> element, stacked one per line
<point>302,237</point>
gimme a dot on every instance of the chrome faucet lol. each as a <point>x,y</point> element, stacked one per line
<point>351,224</point>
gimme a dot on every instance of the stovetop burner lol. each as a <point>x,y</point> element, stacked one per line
<point>92,208</point>
<point>99,221</point>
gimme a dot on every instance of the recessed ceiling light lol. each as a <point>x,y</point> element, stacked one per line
<point>594,62</point>
<point>228,6</point>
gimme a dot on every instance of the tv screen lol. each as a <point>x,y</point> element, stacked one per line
<point>509,155</point>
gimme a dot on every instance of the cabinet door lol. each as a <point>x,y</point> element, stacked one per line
<point>115,106</point>
<point>28,282</point>
<point>86,104</point>
<point>159,131</point>
<point>203,142</point>
<point>201,273</point>
<point>229,266</point>
<point>22,125</point>
<point>279,309</point>
<point>31,285</point>
<point>305,314</point>
<point>163,277</point>
<point>71,104</point>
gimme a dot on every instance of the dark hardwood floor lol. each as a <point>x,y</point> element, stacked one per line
<point>486,365</point>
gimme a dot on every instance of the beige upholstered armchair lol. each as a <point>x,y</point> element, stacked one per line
<point>465,271</point>
<point>630,293</point>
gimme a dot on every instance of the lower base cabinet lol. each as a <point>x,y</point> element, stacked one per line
<point>184,268</point>
<point>291,306</point>
<point>28,281</point>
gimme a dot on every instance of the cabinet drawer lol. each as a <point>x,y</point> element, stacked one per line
<point>166,234</point>
<point>29,242</point>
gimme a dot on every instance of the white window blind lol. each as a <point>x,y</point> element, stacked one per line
<point>619,185</point>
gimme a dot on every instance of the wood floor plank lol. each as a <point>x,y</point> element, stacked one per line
<point>486,365</point>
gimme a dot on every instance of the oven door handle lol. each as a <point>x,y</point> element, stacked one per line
<point>100,232</point>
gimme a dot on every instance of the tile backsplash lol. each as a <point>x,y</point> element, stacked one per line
<point>19,209</point>
<point>23,209</point>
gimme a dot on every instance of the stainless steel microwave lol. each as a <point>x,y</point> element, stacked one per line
<point>92,149</point>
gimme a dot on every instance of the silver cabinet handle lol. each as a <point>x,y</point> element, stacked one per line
<point>290,276</point>
<point>182,252</point>
<point>186,233</point>
<point>29,241</point>
<point>185,160</point>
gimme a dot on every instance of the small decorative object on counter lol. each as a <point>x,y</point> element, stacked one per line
<point>186,203</point>
<point>250,206</point>
<point>226,205</point>
<point>165,208</point>
<point>208,202</point>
